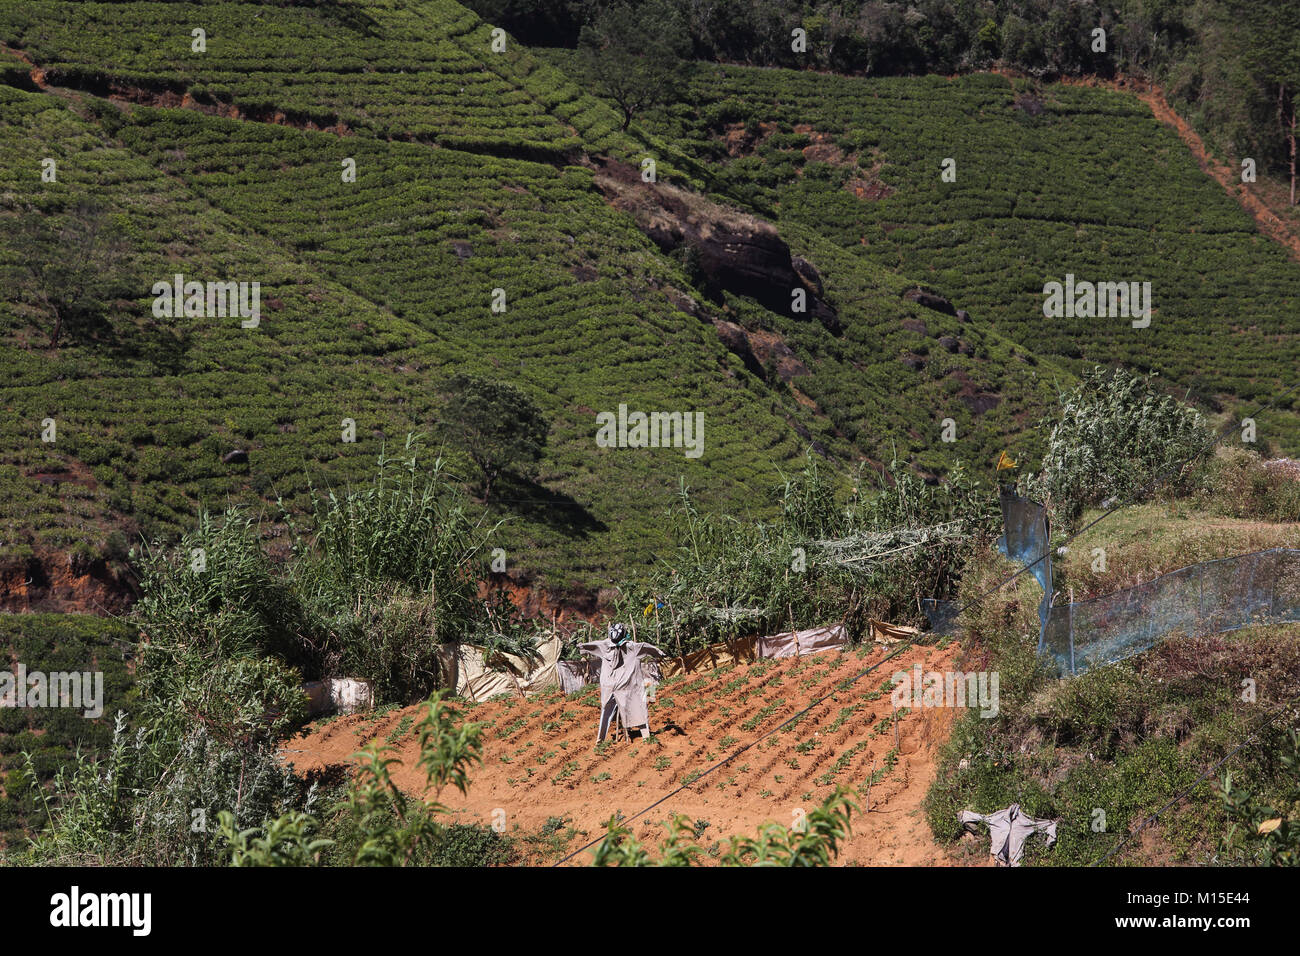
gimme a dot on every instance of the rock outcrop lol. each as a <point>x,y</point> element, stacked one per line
<point>732,251</point>
<point>930,300</point>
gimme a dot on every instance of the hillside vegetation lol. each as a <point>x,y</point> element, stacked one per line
<point>374,292</point>
<point>469,255</point>
<point>1049,181</point>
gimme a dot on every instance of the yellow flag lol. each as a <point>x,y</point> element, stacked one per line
<point>1004,461</point>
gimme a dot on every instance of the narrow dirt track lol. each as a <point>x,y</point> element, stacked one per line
<point>540,760</point>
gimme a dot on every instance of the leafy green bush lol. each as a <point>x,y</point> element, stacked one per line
<point>1266,830</point>
<point>817,843</point>
<point>387,574</point>
<point>1114,435</point>
<point>471,844</point>
<point>375,824</point>
<point>1237,483</point>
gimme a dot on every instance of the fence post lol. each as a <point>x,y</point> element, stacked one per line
<point>1200,597</point>
<point>1069,626</point>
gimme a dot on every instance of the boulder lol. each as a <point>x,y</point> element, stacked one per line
<point>733,251</point>
<point>930,300</point>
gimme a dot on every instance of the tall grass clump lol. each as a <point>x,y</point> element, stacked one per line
<point>392,570</point>
<point>386,575</point>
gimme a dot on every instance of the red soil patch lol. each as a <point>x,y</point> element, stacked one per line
<point>740,142</point>
<point>58,582</point>
<point>540,760</point>
<point>870,190</point>
<point>558,606</point>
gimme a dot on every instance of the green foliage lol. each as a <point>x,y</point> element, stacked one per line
<point>383,577</point>
<point>1238,484</point>
<point>1105,192</point>
<point>284,841</point>
<point>1266,831</point>
<point>635,55</point>
<point>471,844</point>
<point>218,594</point>
<point>377,823</point>
<point>36,743</point>
<point>501,428</point>
<point>242,701</point>
<point>1105,750</point>
<point>816,843</point>
<point>823,560</point>
<point>153,799</point>
<point>1114,436</point>
<point>72,265</point>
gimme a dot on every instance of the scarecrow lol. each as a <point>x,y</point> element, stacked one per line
<point>626,666</point>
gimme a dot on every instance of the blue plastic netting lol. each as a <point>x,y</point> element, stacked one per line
<point>1204,598</point>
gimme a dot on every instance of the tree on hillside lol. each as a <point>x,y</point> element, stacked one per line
<point>69,266</point>
<point>636,57</point>
<point>500,427</point>
<point>1270,38</point>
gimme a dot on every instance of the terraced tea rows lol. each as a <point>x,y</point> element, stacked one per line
<point>1048,181</point>
<point>144,409</point>
<point>425,70</point>
<point>424,237</point>
<point>376,290</point>
<point>156,449</point>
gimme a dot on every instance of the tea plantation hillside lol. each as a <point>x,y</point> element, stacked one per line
<point>145,410</point>
<point>1049,180</point>
<point>480,176</point>
<point>415,70</point>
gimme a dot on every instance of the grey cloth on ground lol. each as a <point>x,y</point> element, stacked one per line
<point>1008,831</point>
<point>622,680</point>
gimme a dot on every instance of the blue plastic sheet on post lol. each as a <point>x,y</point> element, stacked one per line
<point>1027,541</point>
<point>1206,598</point>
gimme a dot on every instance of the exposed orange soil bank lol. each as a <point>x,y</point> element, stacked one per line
<point>540,760</point>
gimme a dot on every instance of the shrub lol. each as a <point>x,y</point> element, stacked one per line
<point>1114,435</point>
